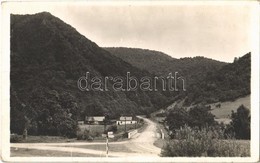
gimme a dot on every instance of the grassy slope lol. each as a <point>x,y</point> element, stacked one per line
<point>227,107</point>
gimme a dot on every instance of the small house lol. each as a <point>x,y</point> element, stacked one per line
<point>94,119</point>
<point>125,120</point>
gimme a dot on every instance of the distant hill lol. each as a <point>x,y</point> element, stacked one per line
<point>162,64</point>
<point>153,61</point>
<point>48,57</point>
<point>230,82</point>
<point>207,80</point>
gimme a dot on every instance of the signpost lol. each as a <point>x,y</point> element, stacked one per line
<point>111,136</point>
<point>125,123</point>
<point>108,135</point>
<point>107,147</point>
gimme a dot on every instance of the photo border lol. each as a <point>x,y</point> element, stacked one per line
<point>8,6</point>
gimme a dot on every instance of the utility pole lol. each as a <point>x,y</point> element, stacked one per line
<point>107,146</point>
<point>135,122</point>
<point>125,123</point>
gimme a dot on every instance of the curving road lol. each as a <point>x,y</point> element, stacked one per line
<point>141,145</point>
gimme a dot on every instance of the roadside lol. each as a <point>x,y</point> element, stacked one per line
<point>140,145</point>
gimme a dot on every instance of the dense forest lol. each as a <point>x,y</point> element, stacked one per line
<point>207,80</point>
<point>48,57</point>
<point>226,84</point>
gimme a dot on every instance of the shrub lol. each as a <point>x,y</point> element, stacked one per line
<point>112,128</point>
<point>14,138</point>
<point>198,116</point>
<point>177,118</point>
<point>203,142</point>
<point>160,115</point>
<point>84,135</point>
<point>240,123</point>
<point>125,135</point>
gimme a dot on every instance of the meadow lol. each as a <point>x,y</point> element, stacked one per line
<point>226,107</point>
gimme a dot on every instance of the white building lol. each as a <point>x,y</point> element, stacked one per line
<point>125,120</point>
<point>94,119</point>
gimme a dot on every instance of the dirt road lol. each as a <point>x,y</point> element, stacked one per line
<point>143,142</point>
<point>140,145</point>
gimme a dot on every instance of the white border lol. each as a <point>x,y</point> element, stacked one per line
<point>7,8</point>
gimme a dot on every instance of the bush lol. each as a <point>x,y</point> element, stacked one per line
<point>125,135</point>
<point>84,135</point>
<point>240,123</point>
<point>160,115</point>
<point>204,142</point>
<point>112,128</point>
<point>198,116</point>
<point>14,138</point>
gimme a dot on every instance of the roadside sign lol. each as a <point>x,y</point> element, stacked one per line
<point>110,133</point>
<point>104,135</point>
<point>111,136</point>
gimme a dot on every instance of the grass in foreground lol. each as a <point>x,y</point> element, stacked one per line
<point>112,147</point>
<point>22,152</point>
<point>204,143</point>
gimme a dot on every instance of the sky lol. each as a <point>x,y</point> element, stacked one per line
<point>213,30</point>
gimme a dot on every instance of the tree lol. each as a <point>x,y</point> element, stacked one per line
<point>200,116</point>
<point>240,123</point>
<point>177,118</point>
<point>18,120</point>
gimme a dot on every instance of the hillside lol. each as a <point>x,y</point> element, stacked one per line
<point>207,80</point>
<point>230,82</point>
<point>48,57</point>
<point>162,64</point>
<point>226,107</point>
<point>153,61</point>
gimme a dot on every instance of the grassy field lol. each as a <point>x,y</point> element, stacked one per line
<point>112,147</point>
<point>100,128</point>
<point>226,107</point>
<point>44,139</point>
<point>94,129</point>
<point>222,148</point>
<point>21,152</point>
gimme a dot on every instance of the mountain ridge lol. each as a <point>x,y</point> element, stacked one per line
<point>197,71</point>
<point>48,57</point>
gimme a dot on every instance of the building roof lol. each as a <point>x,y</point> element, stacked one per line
<point>125,118</point>
<point>95,118</point>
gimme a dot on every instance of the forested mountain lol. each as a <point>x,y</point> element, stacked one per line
<point>48,57</point>
<point>226,84</point>
<point>207,80</point>
<point>153,61</point>
<point>161,64</point>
